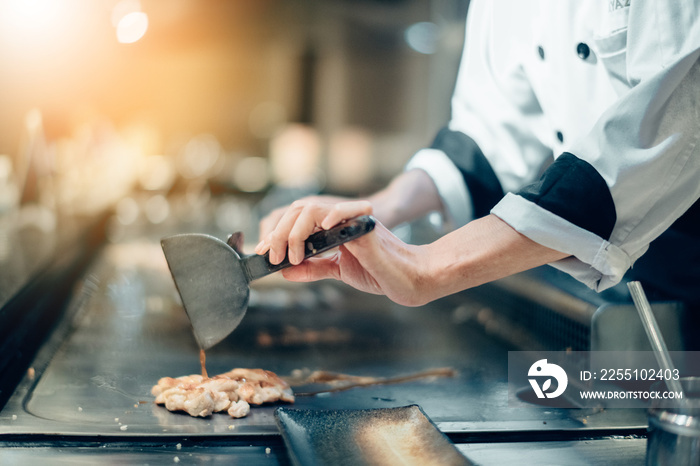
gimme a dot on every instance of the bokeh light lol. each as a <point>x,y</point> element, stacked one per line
<point>127,210</point>
<point>422,37</point>
<point>295,154</point>
<point>199,157</point>
<point>157,209</point>
<point>251,174</point>
<point>156,173</point>
<point>132,27</point>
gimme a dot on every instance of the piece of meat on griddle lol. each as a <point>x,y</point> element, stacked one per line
<point>232,391</point>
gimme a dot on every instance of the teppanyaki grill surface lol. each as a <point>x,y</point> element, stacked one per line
<point>126,329</point>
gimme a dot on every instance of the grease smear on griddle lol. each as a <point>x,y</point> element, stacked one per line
<point>343,382</point>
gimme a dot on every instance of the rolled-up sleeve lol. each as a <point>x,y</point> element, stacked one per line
<point>490,145</point>
<point>638,170</point>
<point>450,184</point>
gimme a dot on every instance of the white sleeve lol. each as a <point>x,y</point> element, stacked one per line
<point>494,106</point>
<point>449,182</point>
<point>645,148</point>
<point>494,102</point>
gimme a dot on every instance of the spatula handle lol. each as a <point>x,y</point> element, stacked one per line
<point>258,266</point>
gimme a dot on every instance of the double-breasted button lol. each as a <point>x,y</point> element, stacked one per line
<point>583,50</point>
<point>560,136</point>
<point>540,51</point>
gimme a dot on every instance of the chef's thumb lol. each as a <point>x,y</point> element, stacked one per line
<point>313,269</point>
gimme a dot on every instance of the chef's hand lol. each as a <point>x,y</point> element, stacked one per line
<point>484,250</point>
<point>378,262</point>
<point>409,196</point>
<point>271,220</point>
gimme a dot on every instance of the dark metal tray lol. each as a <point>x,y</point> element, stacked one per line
<point>385,436</point>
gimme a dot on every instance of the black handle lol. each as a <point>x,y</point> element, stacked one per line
<point>258,266</point>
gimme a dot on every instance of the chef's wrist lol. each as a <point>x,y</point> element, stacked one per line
<point>442,272</point>
<point>431,283</point>
<point>409,196</point>
<point>421,277</point>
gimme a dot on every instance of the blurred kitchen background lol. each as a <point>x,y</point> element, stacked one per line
<point>160,109</point>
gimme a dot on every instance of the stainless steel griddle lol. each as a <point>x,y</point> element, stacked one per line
<point>125,328</point>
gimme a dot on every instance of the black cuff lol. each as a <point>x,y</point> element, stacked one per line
<point>484,188</point>
<point>689,222</point>
<point>572,189</point>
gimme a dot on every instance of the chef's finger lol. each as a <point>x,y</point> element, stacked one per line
<point>266,226</point>
<point>277,239</point>
<point>345,211</point>
<point>306,223</point>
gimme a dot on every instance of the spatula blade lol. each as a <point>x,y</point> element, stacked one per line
<point>212,283</point>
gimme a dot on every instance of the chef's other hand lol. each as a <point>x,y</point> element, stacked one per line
<point>409,196</point>
<point>378,262</point>
<point>271,220</point>
<point>303,218</point>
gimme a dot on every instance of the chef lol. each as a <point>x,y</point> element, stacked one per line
<point>574,141</point>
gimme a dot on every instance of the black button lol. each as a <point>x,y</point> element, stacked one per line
<point>560,136</point>
<point>583,51</point>
<point>540,51</point>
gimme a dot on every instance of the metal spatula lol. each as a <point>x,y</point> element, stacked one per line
<point>213,279</point>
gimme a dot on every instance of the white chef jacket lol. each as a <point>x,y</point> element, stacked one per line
<point>615,85</point>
